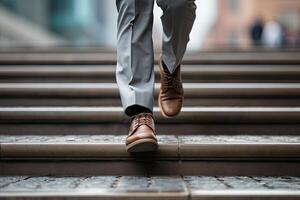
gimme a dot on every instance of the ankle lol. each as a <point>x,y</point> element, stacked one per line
<point>137,109</point>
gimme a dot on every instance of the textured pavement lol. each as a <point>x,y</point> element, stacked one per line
<point>187,187</point>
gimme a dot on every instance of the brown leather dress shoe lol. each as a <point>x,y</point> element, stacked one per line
<point>141,137</point>
<point>170,98</point>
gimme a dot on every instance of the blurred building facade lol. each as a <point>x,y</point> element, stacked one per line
<point>56,22</point>
<point>235,17</point>
<point>220,24</point>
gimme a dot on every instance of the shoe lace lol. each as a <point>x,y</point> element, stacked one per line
<point>141,119</point>
<point>170,82</point>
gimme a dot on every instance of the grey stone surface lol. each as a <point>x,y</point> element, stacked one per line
<point>146,184</point>
<point>76,139</point>
<point>192,139</point>
<point>44,184</point>
<point>154,184</point>
<point>291,183</point>
<point>7,180</point>
<point>242,183</point>
<point>200,139</point>
<point>107,183</point>
<point>170,147</point>
<point>204,183</point>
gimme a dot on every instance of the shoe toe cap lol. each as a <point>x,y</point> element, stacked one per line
<point>171,107</point>
<point>141,133</point>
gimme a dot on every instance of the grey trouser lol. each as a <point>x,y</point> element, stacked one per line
<point>135,62</point>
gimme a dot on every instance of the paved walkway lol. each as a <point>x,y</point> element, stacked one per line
<point>132,187</point>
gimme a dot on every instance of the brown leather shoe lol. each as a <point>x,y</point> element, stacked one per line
<point>141,137</point>
<point>170,98</point>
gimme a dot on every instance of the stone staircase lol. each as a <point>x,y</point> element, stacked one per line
<point>62,129</point>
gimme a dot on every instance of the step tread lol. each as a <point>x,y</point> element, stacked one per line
<point>156,109</point>
<point>114,85</point>
<point>190,73</point>
<point>111,69</point>
<point>77,114</point>
<point>110,58</point>
<point>174,147</point>
<point>192,90</point>
<point>151,187</point>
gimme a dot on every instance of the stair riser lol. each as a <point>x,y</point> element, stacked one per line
<point>197,168</point>
<point>185,148</point>
<point>190,73</point>
<point>166,129</point>
<point>190,91</point>
<point>212,116</point>
<point>291,77</point>
<point>280,79</point>
<point>249,102</point>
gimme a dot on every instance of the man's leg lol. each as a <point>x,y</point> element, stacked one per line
<point>177,20</point>
<point>135,73</point>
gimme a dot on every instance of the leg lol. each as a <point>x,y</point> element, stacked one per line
<point>135,73</point>
<point>177,20</point>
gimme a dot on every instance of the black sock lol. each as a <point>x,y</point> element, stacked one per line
<point>136,109</point>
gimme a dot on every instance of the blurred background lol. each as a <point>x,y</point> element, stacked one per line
<point>220,24</point>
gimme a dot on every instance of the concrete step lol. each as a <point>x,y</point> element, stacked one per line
<point>72,155</point>
<point>192,147</point>
<point>205,115</point>
<point>190,73</point>
<point>111,101</point>
<point>150,187</point>
<point>271,57</point>
<point>161,128</point>
<point>192,90</point>
<point>107,94</point>
<point>111,120</point>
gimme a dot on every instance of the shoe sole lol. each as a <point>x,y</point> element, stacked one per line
<point>142,145</point>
